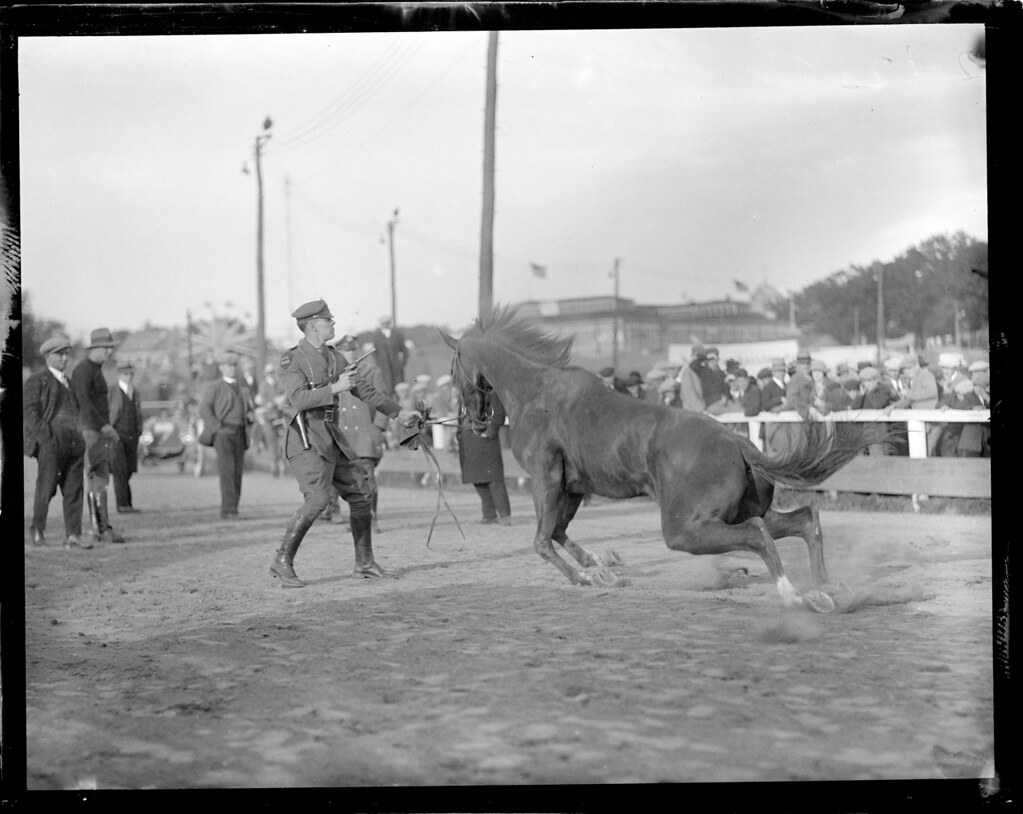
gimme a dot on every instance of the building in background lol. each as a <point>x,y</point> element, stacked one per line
<point>653,329</point>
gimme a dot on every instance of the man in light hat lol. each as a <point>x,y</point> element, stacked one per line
<point>227,411</point>
<point>690,388</point>
<point>953,370</point>
<point>53,438</point>
<point>921,393</point>
<point>126,418</point>
<point>90,389</point>
<point>653,379</point>
<point>392,352</point>
<point>980,375</point>
<point>319,453</point>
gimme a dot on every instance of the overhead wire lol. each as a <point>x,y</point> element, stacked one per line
<point>349,102</point>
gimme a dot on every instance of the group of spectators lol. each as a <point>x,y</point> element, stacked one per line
<point>813,390</point>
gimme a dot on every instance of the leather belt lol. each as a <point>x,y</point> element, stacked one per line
<point>330,414</point>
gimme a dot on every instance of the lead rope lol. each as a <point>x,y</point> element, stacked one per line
<point>413,441</point>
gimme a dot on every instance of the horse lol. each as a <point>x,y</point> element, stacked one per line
<point>576,438</point>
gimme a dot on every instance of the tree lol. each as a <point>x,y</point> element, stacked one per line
<point>34,331</point>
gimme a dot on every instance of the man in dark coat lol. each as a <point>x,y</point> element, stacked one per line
<point>225,408</point>
<point>53,438</point>
<point>391,353</point>
<point>126,418</point>
<point>319,453</point>
<point>90,388</point>
<point>482,463</point>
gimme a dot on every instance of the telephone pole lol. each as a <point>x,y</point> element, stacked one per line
<point>880,316</point>
<point>261,139</point>
<point>394,289</point>
<point>614,323</point>
<point>487,229</point>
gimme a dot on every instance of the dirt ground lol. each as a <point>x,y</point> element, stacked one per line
<point>174,661</point>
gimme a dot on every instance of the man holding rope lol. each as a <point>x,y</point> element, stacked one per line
<point>317,450</point>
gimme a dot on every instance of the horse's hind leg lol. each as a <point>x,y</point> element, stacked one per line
<point>714,536</point>
<point>806,523</point>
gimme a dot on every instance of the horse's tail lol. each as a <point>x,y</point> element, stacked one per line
<point>822,449</point>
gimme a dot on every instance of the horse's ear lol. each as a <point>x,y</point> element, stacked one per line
<point>449,340</point>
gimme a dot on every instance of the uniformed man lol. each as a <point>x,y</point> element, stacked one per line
<point>53,438</point>
<point>320,455</point>
<point>90,388</point>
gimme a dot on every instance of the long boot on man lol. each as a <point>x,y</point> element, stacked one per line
<point>107,532</point>
<point>362,531</point>
<point>283,566</point>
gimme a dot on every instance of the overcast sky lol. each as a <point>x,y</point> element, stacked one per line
<point>697,156</point>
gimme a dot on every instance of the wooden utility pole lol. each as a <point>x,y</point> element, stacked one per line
<point>880,316</point>
<point>260,302</point>
<point>614,319</point>
<point>487,229</point>
<point>287,234</point>
<point>394,284</point>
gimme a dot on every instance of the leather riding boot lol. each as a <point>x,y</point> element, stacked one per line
<point>365,566</point>
<point>94,525</point>
<point>283,567</point>
<point>373,504</point>
<point>107,533</point>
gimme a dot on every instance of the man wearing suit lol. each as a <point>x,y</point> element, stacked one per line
<point>126,418</point>
<point>391,353</point>
<point>225,408</point>
<point>319,452</point>
<point>772,400</point>
<point>52,437</point>
<point>90,389</point>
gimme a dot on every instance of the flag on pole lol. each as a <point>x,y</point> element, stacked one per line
<point>538,271</point>
<point>741,286</point>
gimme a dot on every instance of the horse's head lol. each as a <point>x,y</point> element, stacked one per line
<point>474,391</point>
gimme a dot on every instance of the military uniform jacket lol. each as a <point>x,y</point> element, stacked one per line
<point>306,373</point>
<point>43,399</point>
<point>361,425</point>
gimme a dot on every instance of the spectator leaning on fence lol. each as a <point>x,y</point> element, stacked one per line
<point>690,389</point>
<point>828,394</point>
<point>922,390</point>
<point>668,392</point>
<point>653,380</point>
<point>712,382</point>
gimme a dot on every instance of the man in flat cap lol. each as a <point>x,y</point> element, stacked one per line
<point>90,389</point>
<point>318,451</point>
<point>126,418</point>
<point>226,410</point>
<point>53,438</point>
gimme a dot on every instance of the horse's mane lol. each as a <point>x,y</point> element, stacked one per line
<point>502,324</point>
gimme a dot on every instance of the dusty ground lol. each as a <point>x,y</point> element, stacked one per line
<point>174,661</point>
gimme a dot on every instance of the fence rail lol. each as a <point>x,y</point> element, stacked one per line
<point>916,475</point>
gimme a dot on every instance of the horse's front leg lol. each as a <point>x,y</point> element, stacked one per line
<point>567,508</point>
<point>548,498</point>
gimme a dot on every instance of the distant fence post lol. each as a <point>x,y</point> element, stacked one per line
<point>917,431</point>
<point>754,435</point>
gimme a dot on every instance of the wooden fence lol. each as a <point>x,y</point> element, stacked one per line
<point>916,475</point>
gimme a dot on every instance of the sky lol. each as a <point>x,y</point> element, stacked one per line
<point>696,157</point>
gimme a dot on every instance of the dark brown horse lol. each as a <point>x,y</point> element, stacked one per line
<point>576,437</point>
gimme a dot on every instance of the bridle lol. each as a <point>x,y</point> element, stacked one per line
<point>482,389</point>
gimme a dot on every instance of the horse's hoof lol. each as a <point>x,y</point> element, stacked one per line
<point>819,601</point>
<point>608,559</point>
<point>604,577</point>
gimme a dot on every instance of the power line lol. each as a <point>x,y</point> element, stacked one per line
<point>352,100</point>
<point>372,137</point>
